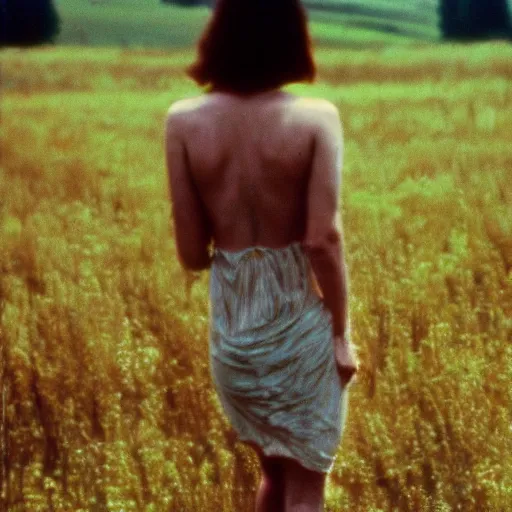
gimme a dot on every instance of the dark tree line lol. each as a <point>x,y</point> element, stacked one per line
<point>475,19</point>
<point>28,22</point>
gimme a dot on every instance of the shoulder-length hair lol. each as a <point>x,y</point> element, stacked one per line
<point>251,46</point>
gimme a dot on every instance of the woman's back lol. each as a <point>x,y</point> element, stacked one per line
<point>250,158</point>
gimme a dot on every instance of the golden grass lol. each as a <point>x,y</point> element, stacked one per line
<point>108,401</point>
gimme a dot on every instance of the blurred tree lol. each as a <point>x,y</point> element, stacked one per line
<point>475,19</point>
<point>28,22</point>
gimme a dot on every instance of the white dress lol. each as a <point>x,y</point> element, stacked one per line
<point>272,356</point>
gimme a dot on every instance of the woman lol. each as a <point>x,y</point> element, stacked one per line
<point>256,172</point>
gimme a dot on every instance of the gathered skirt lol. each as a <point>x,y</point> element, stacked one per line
<point>272,355</point>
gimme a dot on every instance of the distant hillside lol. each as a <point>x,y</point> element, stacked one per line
<point>338,23</point>
<point>413,18</point>
<point>420,11</point>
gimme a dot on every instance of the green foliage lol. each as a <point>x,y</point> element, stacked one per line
<point>109,403</point>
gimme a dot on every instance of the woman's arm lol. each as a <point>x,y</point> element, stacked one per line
<point>191,227</point>
<point>323,241</point>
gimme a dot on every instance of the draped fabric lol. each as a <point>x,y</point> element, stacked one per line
<point>272,356</point>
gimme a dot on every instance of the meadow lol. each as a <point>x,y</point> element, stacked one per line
<point>107,400</point>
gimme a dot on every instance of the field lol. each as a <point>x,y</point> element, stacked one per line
<point>107,400</point>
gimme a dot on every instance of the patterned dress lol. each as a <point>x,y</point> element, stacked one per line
<point>272,356</point>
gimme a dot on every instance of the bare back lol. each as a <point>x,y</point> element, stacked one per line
<point>250,160</point>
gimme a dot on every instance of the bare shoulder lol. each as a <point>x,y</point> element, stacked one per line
<point>182,110</point>
<point>186,105</point>
<point>318,107</point>
<point>318,113</point>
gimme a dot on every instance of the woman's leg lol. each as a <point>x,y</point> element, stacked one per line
<point>304,488</point>
<point>270,495</point>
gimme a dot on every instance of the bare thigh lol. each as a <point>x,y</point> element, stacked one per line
<point>272,467</point>
<point>303,488</point>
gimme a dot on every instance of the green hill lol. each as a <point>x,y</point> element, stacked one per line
<point>414,19</point>
<point>131,23</point>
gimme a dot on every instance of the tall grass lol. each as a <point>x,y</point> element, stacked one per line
<point>107,398</point>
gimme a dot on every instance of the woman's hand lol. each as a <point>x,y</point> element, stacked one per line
<point>190,279</point>
<point>347,363</point>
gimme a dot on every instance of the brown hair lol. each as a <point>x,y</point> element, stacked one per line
<point>251,46</point>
